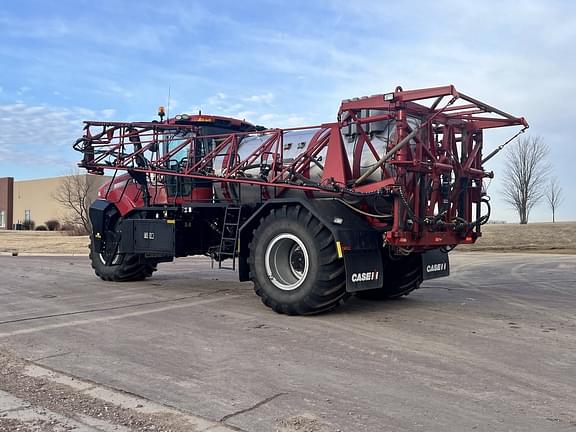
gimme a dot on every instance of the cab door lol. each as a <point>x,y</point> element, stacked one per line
<point>177,186</point>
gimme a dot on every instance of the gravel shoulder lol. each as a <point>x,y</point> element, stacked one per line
<point>34,398</point>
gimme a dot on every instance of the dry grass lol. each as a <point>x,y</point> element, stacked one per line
<point>43,242</point>
<point>559,237</point>
<point>534,237</point>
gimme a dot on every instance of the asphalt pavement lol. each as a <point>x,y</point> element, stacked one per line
<point>491,348</point>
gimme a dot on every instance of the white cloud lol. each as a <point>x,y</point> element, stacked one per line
<point>139,34</point>
<point>245,115</point>
<point>23,90</point>
<point>120,90</point>
<point>276,120</point>
<point>267,117</point>
<point>108,113</point>
<point>220,104</point>
<point>34,28</point>
<point>266,98</point>
<point>217,99</point>
<point>37,133</point>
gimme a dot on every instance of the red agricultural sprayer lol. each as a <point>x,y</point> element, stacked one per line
<point>369,204</point>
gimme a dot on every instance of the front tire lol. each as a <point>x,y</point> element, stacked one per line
<point>294,263</point>
<point>122,267</point>
<point>109,264</point>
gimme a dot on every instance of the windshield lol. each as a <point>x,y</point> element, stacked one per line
<point>173,139</point>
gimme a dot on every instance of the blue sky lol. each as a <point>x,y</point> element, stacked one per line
<point>277,63</point>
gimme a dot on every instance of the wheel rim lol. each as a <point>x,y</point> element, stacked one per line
<point>287,262</point>
<point>115,259</point>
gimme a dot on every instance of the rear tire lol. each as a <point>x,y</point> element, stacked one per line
<point>294,263</point>
<point>401,277</point>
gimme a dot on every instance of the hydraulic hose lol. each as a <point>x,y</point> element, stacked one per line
<point>482,220</point>
<point>382,216</point>
<point>485,218</point>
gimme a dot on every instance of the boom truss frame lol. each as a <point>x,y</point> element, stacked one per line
<point>433,171</point>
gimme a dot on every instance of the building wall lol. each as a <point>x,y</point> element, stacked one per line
<point>36,198</point>
<point>6,202</point>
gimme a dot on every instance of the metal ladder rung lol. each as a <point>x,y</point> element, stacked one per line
<point>230,226</point>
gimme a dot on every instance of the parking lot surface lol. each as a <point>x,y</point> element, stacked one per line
<point>491,348</point>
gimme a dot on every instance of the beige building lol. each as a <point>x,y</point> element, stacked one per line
<point>35,200</point>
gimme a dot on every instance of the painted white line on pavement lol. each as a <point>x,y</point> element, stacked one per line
<point>115,317</point>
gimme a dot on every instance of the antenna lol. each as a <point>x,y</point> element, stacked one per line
<point>168,106</point>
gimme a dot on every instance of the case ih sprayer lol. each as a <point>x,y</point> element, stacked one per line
<point>369,204</point>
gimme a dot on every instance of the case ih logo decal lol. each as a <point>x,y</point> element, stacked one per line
<point>363,277</point>
<point>436,267</point>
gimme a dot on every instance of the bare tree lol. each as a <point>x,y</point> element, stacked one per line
<point>525,175</point>
<point>554,196</point>
<point>75,194</point>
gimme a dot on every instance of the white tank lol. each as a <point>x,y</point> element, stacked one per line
<point>295,143</point>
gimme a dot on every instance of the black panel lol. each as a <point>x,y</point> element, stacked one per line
<point>147,236</point>
<point>435,264</point>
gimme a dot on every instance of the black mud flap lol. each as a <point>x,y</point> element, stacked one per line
<point>98,212</point>
<point>363,270</point>
<point>435,264</point>
<point>148,236</point>
<point>361,251</point>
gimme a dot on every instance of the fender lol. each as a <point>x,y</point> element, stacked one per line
<point>100,213</point>
<point>126,194</point>
<point>357,242</point>
<point>123,193</point>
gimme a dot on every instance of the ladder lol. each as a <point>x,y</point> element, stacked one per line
<point>230,231</point>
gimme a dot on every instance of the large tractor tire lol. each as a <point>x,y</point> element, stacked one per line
<point>110,265</point>
<point>294,263</point>
<point>122,267</point>
<point>402,275</point>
